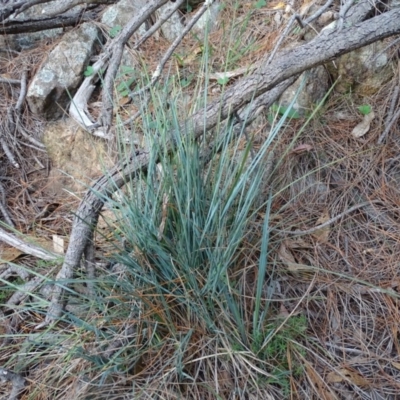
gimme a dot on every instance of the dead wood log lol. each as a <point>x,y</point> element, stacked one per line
<point>41,24</point>
<point>325,47</point>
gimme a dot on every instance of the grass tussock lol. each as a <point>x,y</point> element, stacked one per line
<point>185,227</point>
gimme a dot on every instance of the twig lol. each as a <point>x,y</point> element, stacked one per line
<point>25,290</point>
<point>116,48</point>
<point>318,13</point>
<point>157,25</point>
<point>281,38</point>
<point>22,93</point>
<point>10,81</point>
<point>157,73</point>
<point>78,107</point>
<point>3,208</point>
<point>390,119</point>
<point>61,7</point>
<point>8,152</point>
<point>329,222</point>
<point>42,24</point>
<point>37,145</point>
<point>342,13</point>
<point>27,248</point>
<point>18,382</point>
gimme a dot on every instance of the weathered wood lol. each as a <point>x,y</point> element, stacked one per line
<point>41,24</point>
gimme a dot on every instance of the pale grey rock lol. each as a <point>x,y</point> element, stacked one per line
<point>173,27</point>
<point>208,22</point>
<point>315,87</point>
<point>119,14</point>
<point>53,85</point>
<point>364,71</point>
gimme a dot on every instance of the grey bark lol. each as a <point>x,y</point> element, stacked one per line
<point>41,24</point>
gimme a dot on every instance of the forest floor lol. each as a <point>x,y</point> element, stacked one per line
<point>334,306</point>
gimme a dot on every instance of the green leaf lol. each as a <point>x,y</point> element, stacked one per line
<point>259,4</point>
<point>115,31</point>
<point>124,87</point>
<point>223,81</point>
<point>292,113</point>
<point>124,93</point>
<point>187,81</point>
<point>365,109</point>
<point>89,71</point>
<point>126,69</point>
<point>125,84</point>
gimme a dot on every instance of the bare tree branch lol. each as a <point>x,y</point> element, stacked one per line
<point>27,248</point>
<point>157,73</point>
<point>116,48</point>
<point>41,24</point>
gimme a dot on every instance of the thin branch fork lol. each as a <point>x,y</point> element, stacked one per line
<point>325,47</point>
<point>116,48</point>
<point>110,59</point>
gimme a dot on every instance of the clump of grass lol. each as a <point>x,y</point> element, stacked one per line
<point>185,225</point>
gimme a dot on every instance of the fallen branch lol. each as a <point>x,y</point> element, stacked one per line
<point>27,248</point>
<point>325,47</point>
<point>41,24</point>
<point>157,73</point>
<point>116,49</point>
<point>112,56</point>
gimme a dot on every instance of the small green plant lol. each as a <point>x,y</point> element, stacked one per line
<point>127,77</point>
<point>278,345</point>
<point>290,111</point>
<point>114,31</point>
<point>89,71</point>
<point>259,4</point>
<point>223,81</point>
<point>185,82</point>
<point>365,109</point>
